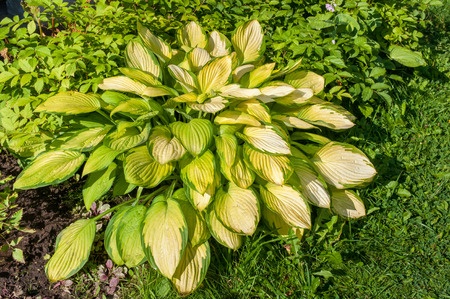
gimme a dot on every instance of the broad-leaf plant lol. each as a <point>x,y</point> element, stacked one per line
<point>219,138</point>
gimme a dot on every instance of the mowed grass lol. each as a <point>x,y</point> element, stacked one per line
<point>400,250</point>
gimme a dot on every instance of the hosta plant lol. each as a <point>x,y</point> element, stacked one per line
<point>221,140</point>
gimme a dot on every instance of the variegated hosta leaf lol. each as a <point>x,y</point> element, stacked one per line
<point>126,137</point>
<point>313,188</point>
<point>275,90</point>
<point>299,96</point>
<point>49,168</point>
<point>201,201</point>
<point>248,42</point>
<point>222,235</point>
<point>70,102</point>
<point>121,186</point>
<point>197,228</point>
<point>240,71</point>
<point>291,67</point>
<point>140,76</point>
<point>275,169</point>
<point>293,122</point>
<point>98,184</point>
<point>99,159</point>
<point>226,148</point>
<point>123,83</point>
<point>164,147</point>
<point>129,237</point>
<point>190,97</point>
<point>198,57</point>
<point>199,173</point>
<point>73,246</point>
<point>256,109</point>
<point>288,203</point>
<point>142,170</point>
<point>235,91</point>
<point>265,139</point>
<point>155,44</point>
<point>135,107</point>
<point>257,76</point>
<point>139,57</point>
<point>347,204</point>
<point>231,117</point>
<point>240,173</point>
<point>165,235</point>
<point>87,139</point>
<point>277,225</point>
<point>110,240</point>
<point>196,136</point>
<point>187,79</point>
<point>113,98</point>
<point>306,79</point>
<point>192,268</point>
<point>327,115</point>
<point>191,36</point>
<point>212,105</point>
<point>218,44</point>
<point>214,75</point>
<point>343,165</point>
<point>159,91</point>
<point>237,209</point>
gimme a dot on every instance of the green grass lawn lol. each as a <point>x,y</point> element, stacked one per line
<point>400,250</point>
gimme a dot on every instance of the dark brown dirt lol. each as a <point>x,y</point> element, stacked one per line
<point>46,211</point>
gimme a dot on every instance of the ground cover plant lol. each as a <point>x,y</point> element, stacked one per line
<point>319,258</point>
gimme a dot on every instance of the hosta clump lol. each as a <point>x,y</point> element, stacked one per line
<point>221,138</point>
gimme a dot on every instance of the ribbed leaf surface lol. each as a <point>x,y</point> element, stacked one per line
<point>139,57</point>
<point>165,235</point>
<point>86,140</point>
<point>230,117</point>
<point>70,102</point>
<point>155,44</point>
<point>164,147</point>
<point>197,228</point>
<point>347,204</point>
<point>192,36</point>
<point>199,173</point>
<point>198,57</point>
<point>266,139</point>
<point>123,83</point>
<point>306,79</point>
<point>196,136</point>
<point>215,74</point>
<point>110,240</point>
<point>218,44</point>
<point>327,115</point>
<point>99,159</point>
<point>222,235</point>
<point>248,42</point>
<point>98,184</point>
<point>73,246</point>
<point>186,78</point>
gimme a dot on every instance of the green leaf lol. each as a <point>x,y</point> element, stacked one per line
<point>220,233</point>
<point>192,268</point>
<point>275,169</point>
<point>110,240</point>
<point>237,209</point>
<point>343,165</point>
<point>258,76</point>
<point>31,27</point>
<point>197,228</point>
<point>214,75</point>
<point>248,42</point>
<point>73,246</point>
<point>165,235</point>
<point>306,79</point>
<point>142,170</point>
<point>70,102</point>
<point>136,107</point>
<point>347,204</point>
<point>126,137</point>
<point>129,236</point>
<point>17,255</point>
<point>99,159</point>
<point>164,147</point>
<point>98,184</point>
<point>199,173</point>
<point>196,136</point>
<point>406,56</point>
<point>49,168</point>
<point>87,139</point>
<point>288,203</point>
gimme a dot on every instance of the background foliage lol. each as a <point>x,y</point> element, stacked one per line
<point>400,249</point>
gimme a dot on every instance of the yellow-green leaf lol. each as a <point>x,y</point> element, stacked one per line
<point>165,147</point>
<point>288,203</point>
<point>214,75</point>
<point>192,36</point>
<point>123,83</point>
<point>343,165</point>
<point>50,168</point>
<point>201,201</point>
<point>299,96</point>
<point>293,122</point>
<point>155,44</point>
<point>237,209</point>
<point>136,107</point>
<point>212,105</point>
<point>266,140</point>
<point>218,44</point>
<point>196,136</point>
<point>192,269</point>
<point>277,225</point>
<point>99,159</point>
<point>198,57</point>
<point>327,115</point>
<point>140,76</point>
<point>257,76</point>
<point>126,136</point>
<point>165,235</point>
<point>197,228</point>
<point>222,235</point>
<point>347,204</point>
<point>70,102</point>
<point>306,79</point>
<point>187,79</point>
<point>129,237</point>
<point>98,184</point>
<point>73,246</point>
<point>232,117</point>
<point>143,170</point>
<point>139,57</point>
<point>275,169</point>
<point>256,109</point>
<point>248,42</point>
<point>199,173</point>
<point>235,91</point>
<point>110,240</point>
<point>239,172</point>
<point>86,140</point>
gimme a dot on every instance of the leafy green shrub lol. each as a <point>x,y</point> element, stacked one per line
<point>221,138</point>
